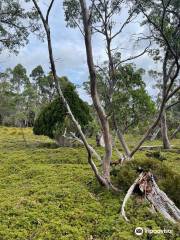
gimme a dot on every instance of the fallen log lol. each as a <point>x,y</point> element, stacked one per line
<point>152,147</point>
<point>150,190</point>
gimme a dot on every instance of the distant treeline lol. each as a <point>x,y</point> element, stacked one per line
<point>22,96</point>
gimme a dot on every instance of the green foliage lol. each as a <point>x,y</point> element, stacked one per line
<point>19,78</point>
<point>43,84</point>
<point>53,119</point>
<point>129,100</point>
<point>23,96</point>
<point>15,25</point>
<point>7,98</point>
<point>168,180</point>
<point>50,193</point>
<point>163,19</point>
<point>156,154</point>
<point>131,103</point>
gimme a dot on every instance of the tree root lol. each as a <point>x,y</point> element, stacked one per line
<point>160,201</point>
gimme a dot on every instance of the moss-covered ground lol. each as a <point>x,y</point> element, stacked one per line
<point>50,193</point>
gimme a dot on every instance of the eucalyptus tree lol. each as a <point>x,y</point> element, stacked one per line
<point>7,98</point>
<point>19,78</point>
<point>163,19</point>
<point>24,95</point>
<point>104,19</point>
<point>103,178</point>
<point>145,179</point>
<point>169,210</point>
<point>15,25</point>
<point>130,105</point>
<point>162,126</point>
<point>43,84</point>
<point>173,114</point>
<point>164,31</point>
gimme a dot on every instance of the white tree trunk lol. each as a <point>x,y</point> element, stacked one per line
<point>164,132</point>
<point>154,135</point>
<point>94,93</point>
<point>123,143</point>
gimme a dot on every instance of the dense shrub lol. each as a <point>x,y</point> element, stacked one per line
<point>53,119</point>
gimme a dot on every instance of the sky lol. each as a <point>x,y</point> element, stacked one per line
<point>69,50</point>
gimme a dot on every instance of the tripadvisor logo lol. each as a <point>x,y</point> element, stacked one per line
<point>139,231</point>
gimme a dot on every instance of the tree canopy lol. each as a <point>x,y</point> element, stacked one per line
<point>129,102</point>
<point>16,24</point>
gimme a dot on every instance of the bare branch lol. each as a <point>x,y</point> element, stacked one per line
<point>91,12</point>
<point>128,20</point>
<point>78,25</point>
<point>173,93</point>
<point>40,13</point>
<point>48,11</point>
<point>172,105</point>
<point>92,149</point>
<point>63,99</point>
<point>134,57</point>
<point>171,84</point>
<point>94,94</point>
<point>128,194</point>
<point>158,29</point>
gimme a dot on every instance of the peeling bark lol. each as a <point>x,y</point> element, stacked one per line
<point>160,201</point>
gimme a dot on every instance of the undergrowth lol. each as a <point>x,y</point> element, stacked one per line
<point>50,193</point>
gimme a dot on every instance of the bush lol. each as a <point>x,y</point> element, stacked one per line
<point>53,119</point>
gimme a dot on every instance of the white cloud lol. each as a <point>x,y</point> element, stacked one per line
<point>69,50</point>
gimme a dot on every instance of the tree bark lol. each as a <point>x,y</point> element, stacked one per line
<point>154,135</point>
<point>175,132</point>
<point>89,149</point>
<point>164,132</point>
<point>151,128</point>
<point>123,143</point>
<point>94,94</point>
<point>161,202</point>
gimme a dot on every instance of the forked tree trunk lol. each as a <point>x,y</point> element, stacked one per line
<point>154,135</point>
<point>147,185</point>
<point>164,132</point>
<point>94,94</point>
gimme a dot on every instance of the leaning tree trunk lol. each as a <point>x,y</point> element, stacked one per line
<point>175,132</point>
<point>149,188</point>
<point>164,132</point>
<point>89,149</point>
<point>123,143</point>
<point>121,138</point>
